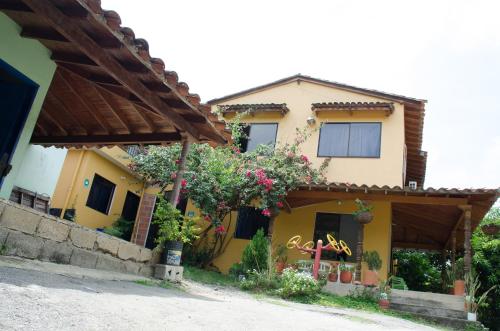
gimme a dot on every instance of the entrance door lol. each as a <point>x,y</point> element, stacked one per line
<point>129,211</point>
<point>17,93</point>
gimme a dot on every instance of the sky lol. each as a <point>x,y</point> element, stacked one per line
<point>447,52</point>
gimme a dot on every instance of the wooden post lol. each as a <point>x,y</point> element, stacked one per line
<point>174,197</point>
<point>359,251</point>
<point>467,236</point>
<point>443,269</point>
<point>453,250</point>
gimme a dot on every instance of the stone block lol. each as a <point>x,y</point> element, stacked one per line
<point>169,272</point>
<point>83,238</point>
<point>132,267</point>
<point>83,258</point>
<point>4,232</point>
<point>107,262</point>
<point>53,230</point>
<point>19,219</point>
<point>56,252</point>
<point>107,244</point>
<point>146,271</point>
<point>129,251</point>
<point>23,245</point>
<point>145,255</point>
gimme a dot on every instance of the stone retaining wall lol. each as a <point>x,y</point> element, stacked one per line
<point>28,233</point>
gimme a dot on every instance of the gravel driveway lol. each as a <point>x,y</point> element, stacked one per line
<point>41,300</point>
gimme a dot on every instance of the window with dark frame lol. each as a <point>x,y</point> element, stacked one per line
<point>249,221</point>
<point>350,140</point>
<point>258,134</point>
<point>101,194</point>
<point>342,227</point>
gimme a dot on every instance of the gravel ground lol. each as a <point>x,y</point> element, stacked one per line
<point>42,300</point>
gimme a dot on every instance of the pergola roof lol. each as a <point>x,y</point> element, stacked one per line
<point>421,218</point>
<point>107,88</point>
<point>255,108</point>
<point>387,107</point>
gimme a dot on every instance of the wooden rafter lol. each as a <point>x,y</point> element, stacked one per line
<point>60,104</point>
<point>146,138</point>
<point>45,113</point>
<point>144,117</point>
<point>119,116</point>
<point>71,31</point>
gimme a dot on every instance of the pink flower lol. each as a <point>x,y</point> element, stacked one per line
<point>173,175</point>
<point>184,183</point>
<point>279,204</point>
<point>249,173</point>
<point>304,158</point>
<point>207,218</point>
<point>308,179</point>
<point>177,161</point>
<point>291,155</point>
<point>220,229</point>
<point>268,183</point>
<point>266,212</point>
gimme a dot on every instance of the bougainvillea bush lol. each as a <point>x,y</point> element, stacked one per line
<point>221,179</point>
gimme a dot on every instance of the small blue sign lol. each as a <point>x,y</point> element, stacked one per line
<point>190,213</point>
<point>86,183</point>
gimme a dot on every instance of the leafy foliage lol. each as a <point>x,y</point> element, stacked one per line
<point>294,283</point>
<point>172,225</point>
<point>255,254</point>
<point>373,260</point>
<point>121,228</point>
<point>420,270</point>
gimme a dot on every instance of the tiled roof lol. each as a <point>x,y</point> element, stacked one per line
<point>254,108</point>
<point>387,107</point>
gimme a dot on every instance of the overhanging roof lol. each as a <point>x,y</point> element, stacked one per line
<point>107,88</point>
<point>414,111</point>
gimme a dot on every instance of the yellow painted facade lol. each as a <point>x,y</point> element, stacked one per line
<point>81,165</point>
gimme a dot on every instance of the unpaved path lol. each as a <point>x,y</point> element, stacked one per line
<point>42,300</point>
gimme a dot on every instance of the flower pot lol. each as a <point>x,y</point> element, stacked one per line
<point>345,277</point>
<point>471,316</point>
<point>383,303</point>
<point>280,266</point>
<point>172,253</point>
<point>371,278</point>
<point>459,287</point>
<point>333,277</point>
<point>364,217</point>
<point>490,229</point>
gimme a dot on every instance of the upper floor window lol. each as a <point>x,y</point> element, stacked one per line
<point>259,134</point>
<point>350,140</point>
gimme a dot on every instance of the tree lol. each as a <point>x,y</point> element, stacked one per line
<point>221,179</point>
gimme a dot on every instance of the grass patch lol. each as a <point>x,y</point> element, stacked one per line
<point>158,283</point>
<point>208,277</point>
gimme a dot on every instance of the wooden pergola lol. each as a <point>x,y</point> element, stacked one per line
<point>431,219</point>
<point>107,89</point>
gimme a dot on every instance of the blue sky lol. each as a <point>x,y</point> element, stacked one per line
<point>447,52</point>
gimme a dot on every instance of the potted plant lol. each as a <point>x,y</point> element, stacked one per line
<point>374,263</point>
<point>280,257</point>
<point>174,230</point>
<point>345,273</point>
<point>490,224</point>
<point>384,290</point>
<point>333,276</point>
<point>473,302</point>
<point>458,278</point>
<point>363,214</point>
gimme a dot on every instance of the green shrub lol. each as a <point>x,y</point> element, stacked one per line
<point>260,281</point>
<point>121,228</point>
<point>236,270</point>
<point>256,253</point>
<point>196,257</point>
<point>294,283</point>
<point>373,260</point>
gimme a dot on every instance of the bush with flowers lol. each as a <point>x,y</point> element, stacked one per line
<point>221,179</point>
<point>295,283</point>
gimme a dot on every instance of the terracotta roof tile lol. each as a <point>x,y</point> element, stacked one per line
<point>256,107</point>
<point>388,107</point>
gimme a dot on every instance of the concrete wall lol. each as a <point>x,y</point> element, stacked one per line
<point>30,234</point>
<point>386,170</point>
<point>33,60</point>
<point>40,169</point>
<point>81,165</point>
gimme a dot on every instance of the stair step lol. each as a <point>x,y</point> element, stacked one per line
<point>452,305</point>
<point>429,311</point>
<point>450,322</point>
<point>448,298</point>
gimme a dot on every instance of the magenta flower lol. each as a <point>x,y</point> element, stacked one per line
<point>304,158</point>
<point>279,204</point>
<point>184,183</point>
<point>266,212</point>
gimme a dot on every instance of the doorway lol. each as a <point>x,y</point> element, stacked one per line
<point>129,211</point>
<point>17,93</point>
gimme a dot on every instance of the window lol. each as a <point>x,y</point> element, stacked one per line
<point>133,150</point>
<point>249,221</point>
<point>259,134</point>
<point>350,140</point>
<point>342,227</point>
<point>101,194</point>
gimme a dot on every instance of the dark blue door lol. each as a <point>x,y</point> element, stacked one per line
<point>17,93</point>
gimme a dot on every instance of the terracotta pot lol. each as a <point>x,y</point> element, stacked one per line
<point>280,266</point>
<point>490,229</point>
<point>459,287</point>
<point>384,303</point>
<point>333,277</point>
<point>371,278</point>
<point>345,277</point>
<point>364,218</point>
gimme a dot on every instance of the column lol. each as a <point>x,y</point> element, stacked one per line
<point>359,251</point>
<point>467,237</point>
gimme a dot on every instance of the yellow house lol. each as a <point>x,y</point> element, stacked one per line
<point>374,140</point>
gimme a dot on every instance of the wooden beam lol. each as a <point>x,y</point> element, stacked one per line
<point>287,207</point>
<point>455,227</point>
<point>75,12</point>
<point>50,118</point>
<point>72,31</point>
<point>426,230</point>
<point>41,128</point>
<point>145,118</point>
<point>61,105</point>
<point>61,57</point>
<point>42,34</point>
<point>119,116</point>
<point>146,138</point>
<point>194,118</point>
<point>333,195</point>
<point>398,244</point>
